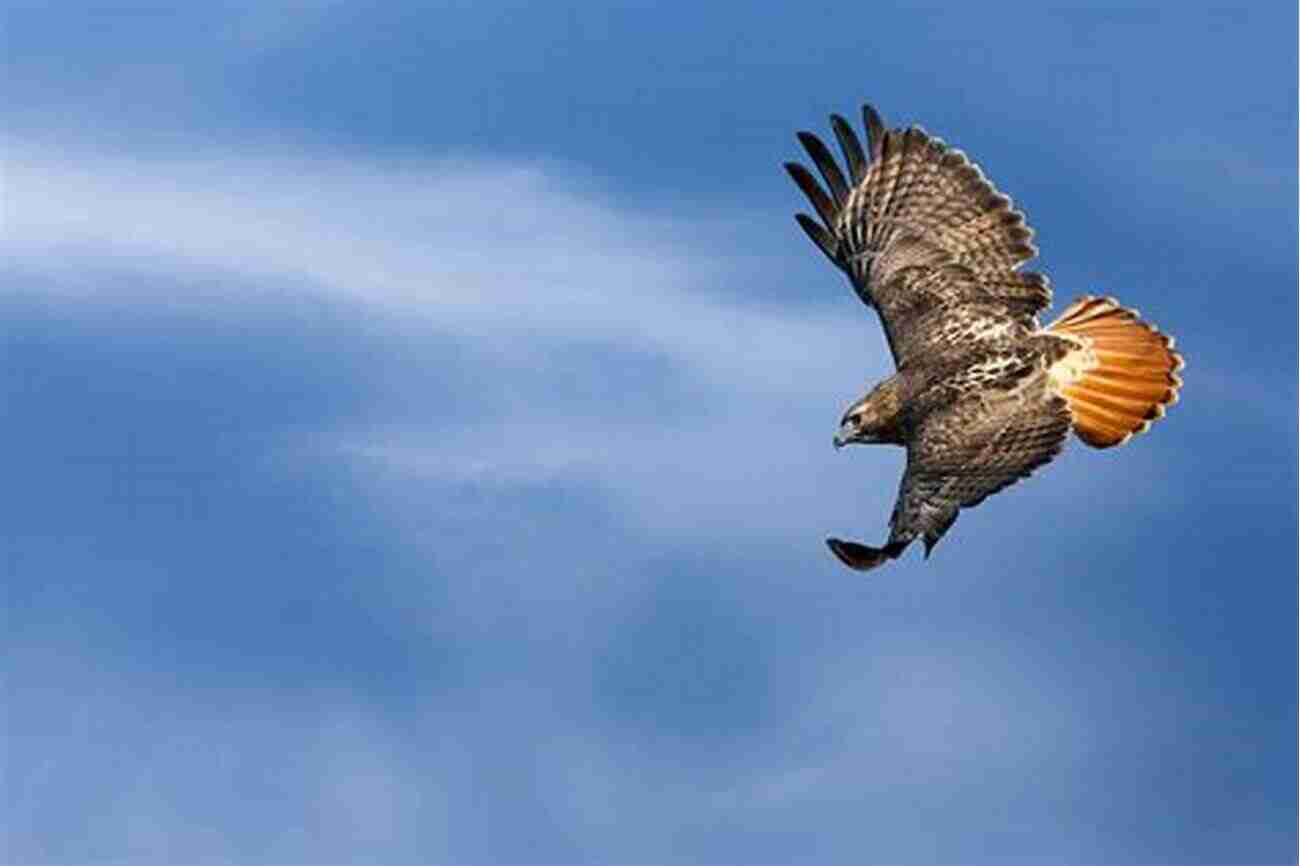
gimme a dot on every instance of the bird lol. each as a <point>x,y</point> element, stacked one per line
<point>982,394</point>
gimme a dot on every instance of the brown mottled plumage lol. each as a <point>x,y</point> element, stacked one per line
<point>983,395</point>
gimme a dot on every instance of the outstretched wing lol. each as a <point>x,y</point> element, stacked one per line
<point>973,449</point>
<point>921,235</point>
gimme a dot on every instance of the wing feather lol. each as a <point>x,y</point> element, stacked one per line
<point>822,238</point>
<point>921,229</point>
<point>821,202</point>
<point>875,131</point>
<point>851,147</point>
<point>974,449</point>
<point>826,164</point>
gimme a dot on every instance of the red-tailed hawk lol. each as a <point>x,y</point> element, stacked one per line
<point>982,395</point>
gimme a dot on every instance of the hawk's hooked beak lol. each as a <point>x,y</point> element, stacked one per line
<point>846,435</point>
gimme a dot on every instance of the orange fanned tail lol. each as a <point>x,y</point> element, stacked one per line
<point>1121,374</point>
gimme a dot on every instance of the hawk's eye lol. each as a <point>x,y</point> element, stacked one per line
<point>854,419</point>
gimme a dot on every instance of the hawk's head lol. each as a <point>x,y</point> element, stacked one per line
<point>873,418</point>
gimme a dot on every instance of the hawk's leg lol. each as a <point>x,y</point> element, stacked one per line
<point>863,558</point>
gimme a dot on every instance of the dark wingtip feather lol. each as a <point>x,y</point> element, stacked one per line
<point>826,208</point>
<point>861,557</point>
<point>875,131</point>
<point>825,163</point>
<point>852,148</point>
<point>822,238</point>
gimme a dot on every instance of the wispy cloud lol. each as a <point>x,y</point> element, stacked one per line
<point>515,256</point>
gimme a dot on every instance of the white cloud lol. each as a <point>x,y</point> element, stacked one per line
<point>507,255</point>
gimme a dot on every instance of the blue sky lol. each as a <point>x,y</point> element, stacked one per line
<point>420,421</point>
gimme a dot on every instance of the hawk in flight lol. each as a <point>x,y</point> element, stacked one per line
<point>983,394</point>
